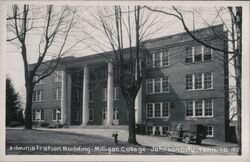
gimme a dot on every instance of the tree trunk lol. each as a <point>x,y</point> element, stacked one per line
<point>132,131</point>
<point>28,112</point>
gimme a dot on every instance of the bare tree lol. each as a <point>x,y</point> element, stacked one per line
<point>54,26</point>
<point>125,29</point>
<point>234,40</point>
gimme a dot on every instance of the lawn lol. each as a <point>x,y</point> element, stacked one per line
<point>37,142</point>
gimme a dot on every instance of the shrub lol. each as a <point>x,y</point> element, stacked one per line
<point>44,124</point>
<point>15,124</point>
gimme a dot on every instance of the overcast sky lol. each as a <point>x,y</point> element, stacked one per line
<point>169,26</point>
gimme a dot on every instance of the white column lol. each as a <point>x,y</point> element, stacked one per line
<point>138,106</point>
<point>110,95</point>
<point>69,99</point>
<point>85,97</point>
<point>64,97</point>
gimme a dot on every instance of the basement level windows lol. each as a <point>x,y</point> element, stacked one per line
<point>198,53</point>
<point>199,81</point>
<point>199,108</point>
<point>157,85</point>
<point>157,59</point>
<point>157,130</point>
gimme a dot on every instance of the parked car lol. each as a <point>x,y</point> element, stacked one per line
<point>196,133</point>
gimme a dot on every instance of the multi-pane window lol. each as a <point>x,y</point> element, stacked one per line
<point>36,79</point>
<point>116,93</point>
<point>199,108</point>
<point>57,76</point>
<point>208,107</point>
<point>149,85</point>
<point>157,110</point>
<point>104,94</point>
<point>104,113</point>
<point>157,130</point>
<point>38,95</point>
<point>208,81</point>
<point>56,114</point>
<point>189,108</point>
<point>199,81</point>
<point>157,59</point>
<point>57,93</point>
<point>150,110</point>
<point>198,53</point>
<point>157,85</point>
<point>38,115</point>
<point>189,82</point>
<point>91,114</point>
<point>210,131</point>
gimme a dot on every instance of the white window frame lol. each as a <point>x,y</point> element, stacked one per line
<point>212,131</point>
<point>154,129</point>
<point>202,81</point>
<point>161,110</point>
<point>37,115</point>
<point>39,96</point>
<point>153,84</point>
<point>56,93</point>
<point>202,54</point>
<point>116,93</point>
<point>203,109</point>
<point>161,59</point>
<point>54,111</point>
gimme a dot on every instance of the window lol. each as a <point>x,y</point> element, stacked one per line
<point>157,59</point>
<point>157,85</point>
<point>198,53</point>
<point>104,113</point>
<point>199,108</point>
<point>149,130</point>
<point>104,94</point>
<point>208,108</point>
<point>149,110</point>
<point>189,108</point>
<point>56,114</point>
<point>157,110</point>
<point>208,80</point>
<point>91,114</point>
<point>38,115</point>
<point>57,76</point>
<point>210,131</point>
<point>189,82</point>
<point>199,81</point>
<point>116,93</point>
<point>57,93</point>
<point>157,130</point>
<point>164,130</point>
<point>91,96</point>
<point>115,113</point>
<point>149,85</point>
<point>38,95</point>
<point>36,79</point>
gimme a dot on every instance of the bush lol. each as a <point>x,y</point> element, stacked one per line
<point>44,124</point>
<point>15,124</point>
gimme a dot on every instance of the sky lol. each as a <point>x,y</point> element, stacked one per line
<point>84,28</point>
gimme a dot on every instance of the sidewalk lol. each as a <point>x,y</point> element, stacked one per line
<point>207,147</point>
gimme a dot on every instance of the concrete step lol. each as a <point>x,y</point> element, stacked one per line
<point>123,127</point>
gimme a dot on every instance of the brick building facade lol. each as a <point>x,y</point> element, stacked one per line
<point>184,82</point>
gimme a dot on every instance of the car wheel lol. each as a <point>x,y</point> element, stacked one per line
<point>170,136</point>
<point>187,139</point>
